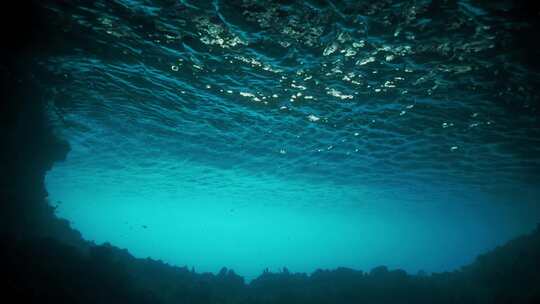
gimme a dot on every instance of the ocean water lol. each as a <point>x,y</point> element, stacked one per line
<point>298,134</point>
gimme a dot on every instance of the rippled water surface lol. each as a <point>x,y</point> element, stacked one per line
<point>253,134</point>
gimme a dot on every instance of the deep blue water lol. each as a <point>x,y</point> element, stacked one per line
<point>310,134</point>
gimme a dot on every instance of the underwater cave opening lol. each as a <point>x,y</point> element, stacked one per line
<point>201,216</point>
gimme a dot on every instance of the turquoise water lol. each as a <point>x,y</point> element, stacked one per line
<point>295,134</point>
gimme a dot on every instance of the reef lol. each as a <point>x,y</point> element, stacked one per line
<point>43,260</point>
<point>41,269</point>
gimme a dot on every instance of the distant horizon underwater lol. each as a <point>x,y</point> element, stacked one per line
<point>298,135</point>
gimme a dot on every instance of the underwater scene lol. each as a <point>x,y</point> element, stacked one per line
<point>248,151</point>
